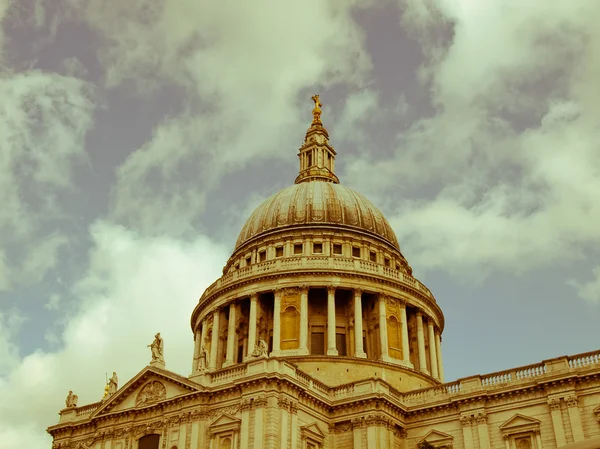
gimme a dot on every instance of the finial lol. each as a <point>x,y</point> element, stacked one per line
<point>317,110</point>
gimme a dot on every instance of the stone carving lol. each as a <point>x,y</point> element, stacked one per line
<point>481,418</point>
<point>71,400</point>
<point>572,401</point>
<point>554,403</point>
<point>246,404</point>
<point>261,349</point>
<point>203,360</point>
<point>465,420</point>
<point>151,392</point>
<point>113,384</point>
<point>260,401</point>
<point>157,349</point>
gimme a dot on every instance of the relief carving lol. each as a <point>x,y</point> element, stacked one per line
<point>481,418</point>
<point>572,401</point>
<point>554,403</point>
<point>465,420</point>
<point>261,401</point>
<point>151,392</point>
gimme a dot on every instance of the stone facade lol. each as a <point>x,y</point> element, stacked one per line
<point>318,336</point>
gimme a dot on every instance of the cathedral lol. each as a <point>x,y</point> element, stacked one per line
<point>318,336</point>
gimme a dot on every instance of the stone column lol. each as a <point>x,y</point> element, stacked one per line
<point>214,344</point>
<point>303,350</point>
<point>331,346</point>
<point>277,323</point>
<point>575,417</point>
<point>245,424</point>
<point>405,347</point>
<point>438,350</point>
<point>557,424</point>
<point>294,430</point>
<point>482,431</point>
<point>259,417</point>
<point>432,349</point>
<point>467,432</point>
<point>421,342</point>
<point>252,323</point>
<point>197,344</point>
<point>230,354</point>
<point>358,325</point>
<point>383,336</point>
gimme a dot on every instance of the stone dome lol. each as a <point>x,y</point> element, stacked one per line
<point>317,203</point>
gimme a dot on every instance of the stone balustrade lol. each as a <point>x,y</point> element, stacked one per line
<point>566,365</point>
<point>317,262</point>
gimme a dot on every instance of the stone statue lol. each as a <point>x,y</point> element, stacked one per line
<point>317,110</point>
<point>113,384</point>
<point>157,349</point>
<point>71,400</point>
<point>261,349</point>
<point>203,361</point>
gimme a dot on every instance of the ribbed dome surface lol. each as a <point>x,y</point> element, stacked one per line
<point>317,202</point>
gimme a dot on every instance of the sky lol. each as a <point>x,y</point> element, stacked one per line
<point>136,137</point>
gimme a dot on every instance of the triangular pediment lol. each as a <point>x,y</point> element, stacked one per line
<point>437,438</point>
<point>519,423</point>
<point>150,386</point>
<point>312,430</point>
<point>224,423</point>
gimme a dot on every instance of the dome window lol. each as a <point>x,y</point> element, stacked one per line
<point>248,260</point>
<point>317,248</point>
<point>262,256</point>
<point>279,251</point>
<point>297,248</point>
<point>386,261</point>
<point>373,256</point>
<point>355,251</point>
<point>337,248</point>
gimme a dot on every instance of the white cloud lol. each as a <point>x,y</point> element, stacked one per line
<point>134,288</point>
<point>589,291</point>
<point>242,67</point>
<point>43,122</point>
<point>511,155</point>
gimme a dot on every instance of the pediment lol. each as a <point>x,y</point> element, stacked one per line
<point>225,423</point>
<point>149,387</point>
<point>313,431</point>
<point>519,423</point>
<point>437,438</point>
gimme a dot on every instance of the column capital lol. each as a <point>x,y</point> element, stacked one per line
<point>572,401</point>
<point>254,297</point>
<point>278,292</point>
<point>304,289</point>
<point>465,420</point>
<point>554,403</point>
<point>420,313</point>
<point>331,289</point>
<point>358,292</point>
<point>481,417</point>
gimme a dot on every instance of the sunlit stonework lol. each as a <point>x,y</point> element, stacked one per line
<point>318,336</point>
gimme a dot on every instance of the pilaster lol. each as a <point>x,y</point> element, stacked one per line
<point>557,423</point>
<point>572,402</point>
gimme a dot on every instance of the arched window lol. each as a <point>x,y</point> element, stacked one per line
<point>394,337</point>
<point>225,443</point>
<point>149,442</point>
<point>290,328</point>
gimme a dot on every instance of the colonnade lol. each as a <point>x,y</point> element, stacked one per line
<point>428,360</point>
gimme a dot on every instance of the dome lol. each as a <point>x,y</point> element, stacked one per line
<point>317,203</point>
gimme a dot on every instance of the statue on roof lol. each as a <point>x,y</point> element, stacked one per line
<point>113,384</point>
<point>71,400</point>
<point>317,110</point>
<point>157,349</point>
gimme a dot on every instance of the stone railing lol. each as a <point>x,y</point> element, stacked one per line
<point>88,409</point>
<point>316,262</point>
<point>228,374</point>
<point>584,360</point>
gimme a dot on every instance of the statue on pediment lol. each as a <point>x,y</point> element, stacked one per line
<point>157,349</point>
<point>113,384</point>
<point>71,400</point>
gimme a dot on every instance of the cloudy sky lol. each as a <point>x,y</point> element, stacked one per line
<point>136,137</point>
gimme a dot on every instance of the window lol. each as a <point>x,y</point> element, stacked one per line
<point>309,159</point>
<point>149,442</point>
<point>248,260</point>
<point>386,261</point>
<point>340,343</point>
<point>225,442</point>
<point>237,266</point>
<point>317,341</point>
<point>355,251</point>
<point>317,248</point>
<point>262,256</point>
<point>337,248</point>
<point>279,251</point>
<point>373,256</point>
<point>297,248</point>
